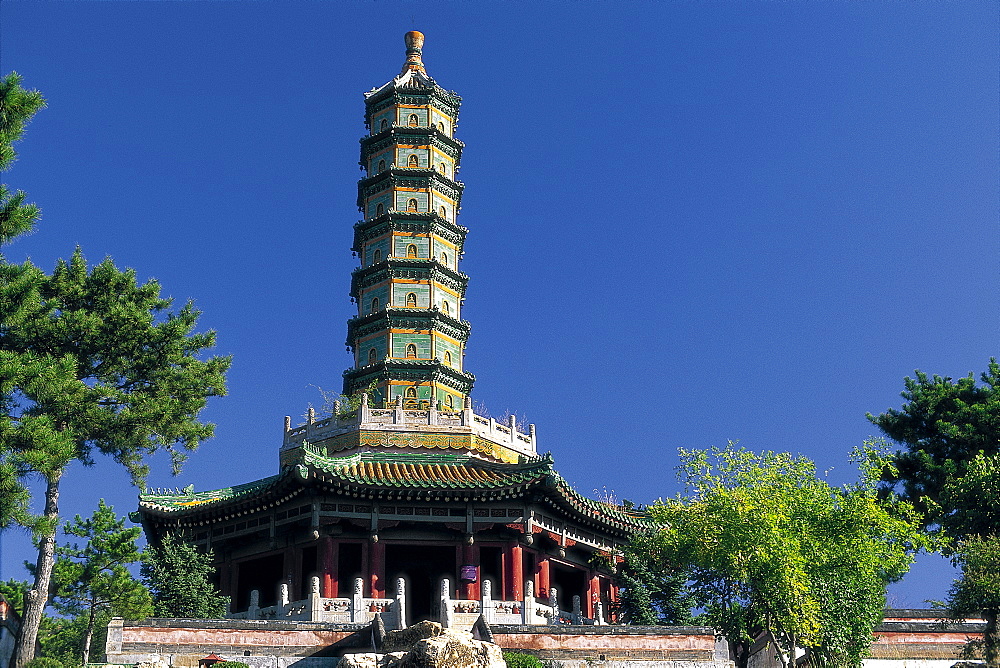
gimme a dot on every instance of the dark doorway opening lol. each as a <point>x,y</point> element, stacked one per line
<point>490,569</point>
<point>263,574</point>
<point>348,568</point>
<point>422,567</point>
<point>570,582</point>
<point>309,569</point>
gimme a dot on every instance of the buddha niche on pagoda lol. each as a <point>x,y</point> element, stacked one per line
<point>404,501</point>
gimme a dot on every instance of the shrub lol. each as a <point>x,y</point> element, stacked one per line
<point>44,662</point>
<point>519,660</point>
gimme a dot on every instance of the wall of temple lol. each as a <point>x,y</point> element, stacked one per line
<point>279,644</point>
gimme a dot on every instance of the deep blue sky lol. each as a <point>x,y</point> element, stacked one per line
<point>690,221</point>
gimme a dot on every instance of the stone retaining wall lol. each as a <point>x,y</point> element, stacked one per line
<point>260,644</point>
<point>276,644</point>
<point>611,643</point>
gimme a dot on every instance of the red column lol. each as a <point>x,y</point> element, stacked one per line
<point>469,554</point>
<point>518,573</point>
<point>328,557</point>
<point>514,572</point>
<point>543,578</point>
<point>377,578</point>
<point>593,595</point>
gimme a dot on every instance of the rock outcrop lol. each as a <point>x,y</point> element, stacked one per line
<point>428,645</point>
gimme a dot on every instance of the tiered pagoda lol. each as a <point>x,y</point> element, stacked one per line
<point>409,338</point>
<point>404,501</point>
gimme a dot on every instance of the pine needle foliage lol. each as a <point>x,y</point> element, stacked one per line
<point>92,581</point>
<point>91,363</point>
<point>942,427</point>
<point>179,578</point>
<point>17,107</point>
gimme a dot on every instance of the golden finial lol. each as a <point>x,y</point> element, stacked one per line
<point>414,48</point>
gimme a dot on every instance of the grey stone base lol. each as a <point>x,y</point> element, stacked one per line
<point>259,661</point>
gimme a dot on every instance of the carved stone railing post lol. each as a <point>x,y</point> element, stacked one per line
<point>253,612</point>
<point>283,595</point>
<point>467,419</point>
<point>315,604</point>
<point>577,611</point>
<point>401,603</point>
<point>397,415</point>
<point>486,601</point>
<point>446,612</point>
<point>554,605</point>
<point>359,587</point>
<point>599,613</point>
<point>432,414</point>
<point>364,414</point>
<point>528,609</point>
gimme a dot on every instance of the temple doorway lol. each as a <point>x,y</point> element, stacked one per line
<point>569,582</point>
<point>263,574</point>
<point>422,567</point>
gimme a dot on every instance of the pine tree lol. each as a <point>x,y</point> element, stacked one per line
<point>93,363</point>
<point>90,362</point>
<point>179,577</point>
<point>17,106</point>
<point>93,582</point>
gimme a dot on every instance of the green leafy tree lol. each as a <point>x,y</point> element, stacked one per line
<point>93,582</point>
<point>943,426</point>
<point>977,592</point>
<point>93,363</point>
<point>179,578</point>
<point>772,547</point>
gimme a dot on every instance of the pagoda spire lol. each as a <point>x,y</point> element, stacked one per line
<point>408,337</point>
<point>414,51</point>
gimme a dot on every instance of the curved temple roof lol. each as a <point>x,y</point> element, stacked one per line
<point>416,476</point>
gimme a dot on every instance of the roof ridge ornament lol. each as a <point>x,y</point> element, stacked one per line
<point>414,50</point>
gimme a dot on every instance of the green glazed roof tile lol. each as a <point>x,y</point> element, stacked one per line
<point>408,471</point>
